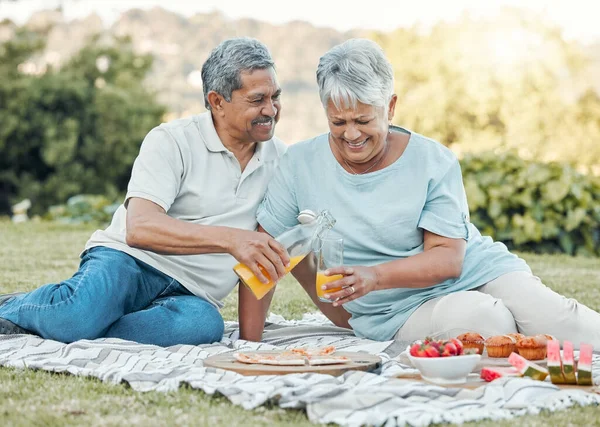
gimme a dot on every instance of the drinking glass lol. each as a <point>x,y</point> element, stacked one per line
<point>329,255</point>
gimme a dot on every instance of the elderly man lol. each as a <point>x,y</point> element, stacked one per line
<point>158,273</point>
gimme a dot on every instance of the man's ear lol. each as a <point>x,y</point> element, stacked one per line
<point>216,102</point>
<point>392,107</point>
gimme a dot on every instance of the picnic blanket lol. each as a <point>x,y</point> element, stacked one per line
<point>353,399</point>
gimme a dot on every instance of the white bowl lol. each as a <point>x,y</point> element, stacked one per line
<point>445,370</point>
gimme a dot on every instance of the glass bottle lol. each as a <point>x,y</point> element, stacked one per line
<point>299,241</point>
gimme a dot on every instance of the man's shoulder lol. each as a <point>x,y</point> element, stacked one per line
<point>178,126</point>
<point>279,146</point>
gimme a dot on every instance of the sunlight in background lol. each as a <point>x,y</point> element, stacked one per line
<point>578,18</point>
<point>511,46</point>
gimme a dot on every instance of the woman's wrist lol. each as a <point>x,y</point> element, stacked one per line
<point>378,277</point>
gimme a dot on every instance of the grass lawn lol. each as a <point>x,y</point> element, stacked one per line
<point>34,254</point>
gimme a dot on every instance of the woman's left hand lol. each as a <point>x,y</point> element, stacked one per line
<point>357,281</point>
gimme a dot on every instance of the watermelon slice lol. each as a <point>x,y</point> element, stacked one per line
<point>584,367</point>
<point>568,363</point>
<point>554,363</point>
<point>490,373</point>
<point>527,368</point>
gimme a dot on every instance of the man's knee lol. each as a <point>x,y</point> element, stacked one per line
<point>201,324</point>
<point>472,311</point>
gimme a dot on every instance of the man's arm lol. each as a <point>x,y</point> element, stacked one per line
<point>252,312</point>
<point>150,228</point>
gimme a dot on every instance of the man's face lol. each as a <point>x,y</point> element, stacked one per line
<point>254,109</point>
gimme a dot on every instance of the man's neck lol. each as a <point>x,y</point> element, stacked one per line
<point>242,150</point>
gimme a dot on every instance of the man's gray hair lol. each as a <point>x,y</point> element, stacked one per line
<point>356,70</point>
<point>222,70</point>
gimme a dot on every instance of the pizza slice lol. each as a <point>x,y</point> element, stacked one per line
<point>278,359</point>
<point>327,359</point>
<point>318,351</point>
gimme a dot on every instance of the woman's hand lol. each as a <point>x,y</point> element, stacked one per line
<point>357,281</point>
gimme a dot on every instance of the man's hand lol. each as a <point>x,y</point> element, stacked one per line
<point>255,249</point>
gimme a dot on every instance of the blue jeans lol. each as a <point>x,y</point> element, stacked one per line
<point>115,295</point>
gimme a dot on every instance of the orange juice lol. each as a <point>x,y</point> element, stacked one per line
<point>321,280</point>
<point>258,288</point>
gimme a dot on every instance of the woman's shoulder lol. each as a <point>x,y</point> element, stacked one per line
<point>309,150</point>
<point>309,146</point>
<point>432,151</point>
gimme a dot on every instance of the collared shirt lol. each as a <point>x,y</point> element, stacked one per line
<point>184,167</point>
<point>381,217</point>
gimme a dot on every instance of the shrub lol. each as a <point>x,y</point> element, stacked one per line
<point>532,206</point>
<point>83,209</point>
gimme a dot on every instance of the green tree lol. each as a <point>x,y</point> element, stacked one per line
<point>505,83</point>
<point>75,129</point>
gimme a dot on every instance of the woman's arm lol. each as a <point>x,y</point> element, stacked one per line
<point>441,259</point>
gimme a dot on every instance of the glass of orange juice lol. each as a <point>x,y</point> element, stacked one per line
<point>330,254</point>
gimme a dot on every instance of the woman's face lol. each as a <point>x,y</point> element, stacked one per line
<point>359,135</point>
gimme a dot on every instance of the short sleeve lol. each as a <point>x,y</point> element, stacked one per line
<point>446,211</point>
<point>279,209</point>
<point>157,171</point>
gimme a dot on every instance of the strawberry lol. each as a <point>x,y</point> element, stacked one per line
<point>414,348</point>
<point>459,345</point>
<point>422,351</point>
<point>449,349</point>
<point>431,351</point>
<point>428,340</point>
<point>436,344</point>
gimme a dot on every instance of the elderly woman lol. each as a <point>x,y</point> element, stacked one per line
<point>414,264</point>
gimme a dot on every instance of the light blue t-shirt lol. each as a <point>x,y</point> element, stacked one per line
<point>381,216</point>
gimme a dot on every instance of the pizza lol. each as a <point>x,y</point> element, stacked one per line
<point>293,357</point>
<point>281,359</point>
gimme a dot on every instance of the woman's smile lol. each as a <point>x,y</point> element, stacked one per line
<point>358,145</point>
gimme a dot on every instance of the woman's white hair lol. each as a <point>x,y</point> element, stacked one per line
<point>355,71</point>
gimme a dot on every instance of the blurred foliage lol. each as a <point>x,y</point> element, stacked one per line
<point>533,206</point>
<point>73,130</point>
<point>84,209</point>
<point>505,83</point>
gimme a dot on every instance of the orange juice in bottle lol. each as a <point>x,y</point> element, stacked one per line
<point>258,288</point>
<point>321,280</point>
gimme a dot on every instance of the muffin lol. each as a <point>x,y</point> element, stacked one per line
<point>547,336</point>
<point>472,340</point>
<point>533,348</point>
<point>500,346</point>
<point>516,336</point>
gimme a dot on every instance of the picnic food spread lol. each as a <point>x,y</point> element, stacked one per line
<point>501,346</point>
<point>294,357</point>
<point>521,352</point>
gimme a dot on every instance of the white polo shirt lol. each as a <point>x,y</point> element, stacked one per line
<point>184,167</point>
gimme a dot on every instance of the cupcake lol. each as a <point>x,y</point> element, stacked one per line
<point>533,348</point>
<point>547,336</point>
<point>472,340</point>
<point>500,345</point>
<point>516,336</point>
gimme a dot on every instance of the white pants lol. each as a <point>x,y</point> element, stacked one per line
<point>514,302</point>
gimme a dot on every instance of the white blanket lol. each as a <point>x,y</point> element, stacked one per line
<point>353,399</point>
